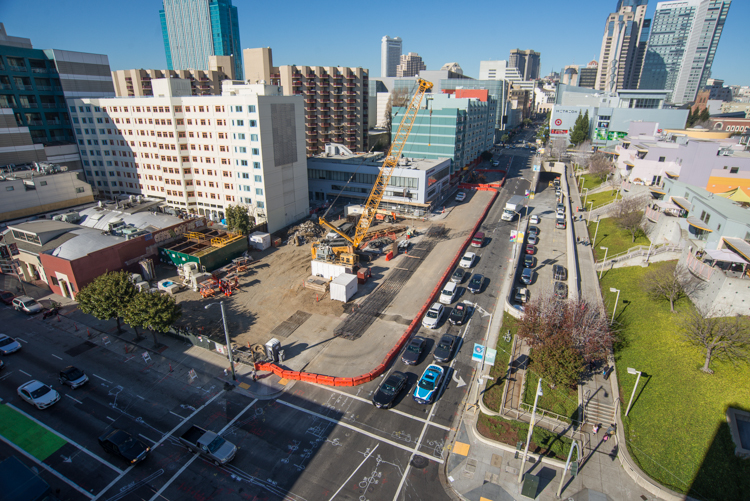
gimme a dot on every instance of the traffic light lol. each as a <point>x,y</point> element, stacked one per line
<point>573,469</point>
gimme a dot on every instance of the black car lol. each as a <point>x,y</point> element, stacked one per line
<point>444,349</point>
<point>389,390</point>
<point>413,351</point>
<point>561,290</point>
<point>73,377</point>
<point>458,314</point>
<point>123,444</point>
<point>533,230</point>
<point>475,284</point>
<point>529,261</point>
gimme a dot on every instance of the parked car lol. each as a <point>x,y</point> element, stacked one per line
<point>527,276</point>
<point>534,220</point>
<point>529,261</point>
<point>532,239</point>
<point>458,314</point>
<point>458,275</point>
<point>560,223</point>
<point>429,384</point>
<point>531,250</point>
<point>432,317</point>
<point>561,290</point>
<point>561,208</point>
<point>444,350</point>
<point>73,377</point>
<point>533,230</point>
<point>6,297</point>
<point>8,345</point>
<point>522,295</point>
<point>386,395</point>
<point>38,394</point>
<point>27,305</point>
<point>475,284</point>
<point>467,261</point>
<point>413,350</point>
<point>460,196</point>
<point>448,294</point>
<point>559,272</point>
<point>123,444</point>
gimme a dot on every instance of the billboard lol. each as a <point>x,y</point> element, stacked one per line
<point>608,135</point>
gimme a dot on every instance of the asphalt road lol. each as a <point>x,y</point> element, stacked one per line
<point>311,443</point>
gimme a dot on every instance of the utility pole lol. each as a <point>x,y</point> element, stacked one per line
<point>531,429</point>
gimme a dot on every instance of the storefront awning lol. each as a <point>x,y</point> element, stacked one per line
<point>697,223</point>
<point>631,164</point>
<point>725,256</point>
<point>738,245</point>
<point>684,204</point>
<point>667,205</point>
<point>656,189</point>
<point>672,175</point>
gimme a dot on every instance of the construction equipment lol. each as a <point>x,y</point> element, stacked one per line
<point>346,253</point>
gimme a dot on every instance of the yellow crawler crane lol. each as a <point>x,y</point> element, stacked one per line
<point>346,254</point>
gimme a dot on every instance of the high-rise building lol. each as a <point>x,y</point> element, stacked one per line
<point>681,47</point>
<point>194,30</point>
<point>526,62</point>
<point>411,64</point>
<point>581,76</point>
<point>390,55</point>
<point>200,153</point>
<point>623,46</point>
<point>137,83</point>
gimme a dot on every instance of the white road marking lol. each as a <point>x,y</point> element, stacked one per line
<point>81,448</point>
<point>175,414</point>
<point>396,411</point>
<point>145,437</point>
<point>19,370</point>
<point>73,399</point>
<point>111,419</point>
<point>358,430</point>
<point>140,397</point>
<point>59,358</point>
<point>101,378</point>
<point>22,340</point>
<point>166,436</point>
<point>49,469</point>
<point>355,471</point>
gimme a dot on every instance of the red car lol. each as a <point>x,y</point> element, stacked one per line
<point>7,297</point>
<point>531,250</point>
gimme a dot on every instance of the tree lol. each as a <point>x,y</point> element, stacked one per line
<point>154,311</point>
<point>238,220</point>
<point>543,132</point>
<point>486,156</point>
<point>671,281</point>
<point>721,337</point>
<point>575,327</point>
<point>398,98</point>
<point>692,117</point>
<point>526,122</point>
<point>628,216</point>
<point>704,116</point>
<point>580,131</point>
<point>504,138</point>
<point>108,296</point>
<point>599,165</point>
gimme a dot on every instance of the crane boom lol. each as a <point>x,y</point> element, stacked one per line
<point>390,163</point>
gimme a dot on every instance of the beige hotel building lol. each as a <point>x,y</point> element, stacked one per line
<point>199,153</point>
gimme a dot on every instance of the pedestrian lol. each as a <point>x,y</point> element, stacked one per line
<point>578,240</point>
<point>596,429</point>
<point>255,377</point>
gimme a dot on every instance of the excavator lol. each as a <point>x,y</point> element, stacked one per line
<point>347,254</point>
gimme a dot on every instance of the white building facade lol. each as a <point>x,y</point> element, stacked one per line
<point>390,55</point>
<point>199,154</point>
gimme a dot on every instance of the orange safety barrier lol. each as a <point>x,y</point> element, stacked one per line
<point>308,377</point>
<point>278,371</point>
<point>326,380</point>
<point>292,375</point>
<point>343,381</point>
<point>263,366</point>
<point>361,380</point>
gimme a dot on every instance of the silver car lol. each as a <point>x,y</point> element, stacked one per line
<point>38,394</point>
<point>73,377</point>
<point>27,305</point>
<point>8,345</point>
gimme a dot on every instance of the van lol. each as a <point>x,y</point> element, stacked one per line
<point>478,239</point>
<point>448,293</point>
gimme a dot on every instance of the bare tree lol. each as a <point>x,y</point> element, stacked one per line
<point>398,98</point>
<point>629,214</point>
<point>724,337</point>
<point>599,166</point>
<point>558,147</point>
<point>671,281</point>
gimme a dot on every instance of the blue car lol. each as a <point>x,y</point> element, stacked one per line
<point>429,384</point>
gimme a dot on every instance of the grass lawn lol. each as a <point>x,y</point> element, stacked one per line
<point>590,182</point>
<point>511,432</point>
<point>601,198</point>
<point>676,430</point>
<point>611,236</point>
<point>493,393</point>
<point>560,400</point>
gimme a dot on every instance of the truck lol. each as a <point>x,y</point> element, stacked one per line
<point>209,444</point>
<point>513,206</point>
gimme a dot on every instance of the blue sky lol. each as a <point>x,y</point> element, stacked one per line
<point>348,33</point>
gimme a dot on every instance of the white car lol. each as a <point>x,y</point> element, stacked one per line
<point>534,220</point>
<point>460,196</point>
<point>467,261</point>
<point>8,345</point>
<point>432,317</point>
<point>38,394</point>
<point>27,305</point>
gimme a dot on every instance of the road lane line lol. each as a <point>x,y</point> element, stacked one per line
<point>19,370</point>
<point>175,414</point>
<point>59,358</point>
<point>101,378</point>
<point>156,444</point>
<point>179,472</point>
<point>144,436</point>
<point>73,399</point>
<point>111,419</point>
<point>355,471</point>
<point>48,468</point>
<point>230,423</point>
<point>359,430</point>
<point>140,397</point>
<point>22,340</point>
<point>81,448</point>
<point>396,411</point>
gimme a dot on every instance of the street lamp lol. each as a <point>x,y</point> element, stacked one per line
<point>617,300</point>
<point>531,429</point>
<point>591,209</point>
<point>586,196</point>
<point>583,181</point>
<point>605,249</point>
<point>226,336</point>
<point>632,371</point>
<point>598,220</point>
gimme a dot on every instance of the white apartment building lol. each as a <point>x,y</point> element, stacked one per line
<point>199,154</point>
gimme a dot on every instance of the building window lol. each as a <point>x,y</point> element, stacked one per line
<point>256,165</point>
<point>258,179</point>
<point>251,108</point>
<point>261,205</point>
<point>253,137</point>
<point>9,188</point>
<point>253,123</point>
<point>734,170</point>
<point>238,108</point>
<point>239,122</point>
<point>43,183</point>
<point>661,159</point>
<point>256,151</point>
<point>79,190</point>
<point>258,191</point>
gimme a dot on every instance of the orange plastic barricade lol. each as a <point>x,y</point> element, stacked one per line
<point>263,366</point>
<point>343,381</point>
<point>308,377</point>
<point>361,380</point>
<point>291,375</point>
<point>326,380</point>
<point>278,371</point>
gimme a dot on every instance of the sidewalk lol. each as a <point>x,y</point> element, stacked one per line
<point>172,358</point>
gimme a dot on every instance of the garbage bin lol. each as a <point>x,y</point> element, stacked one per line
<point>273,347</point>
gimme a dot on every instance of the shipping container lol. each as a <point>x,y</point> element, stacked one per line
<point>343,287</point>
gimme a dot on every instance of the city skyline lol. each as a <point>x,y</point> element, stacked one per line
<point>94,28</point>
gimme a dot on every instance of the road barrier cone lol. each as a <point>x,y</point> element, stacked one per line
<point>76,326</point>
<point>88,333</point>
<point>58,318</point>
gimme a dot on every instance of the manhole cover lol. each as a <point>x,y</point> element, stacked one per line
<point>420,462</point>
